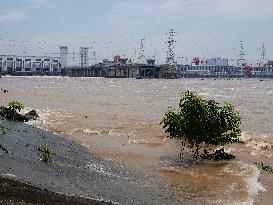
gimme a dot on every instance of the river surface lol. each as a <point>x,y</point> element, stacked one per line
<point>119,119</point>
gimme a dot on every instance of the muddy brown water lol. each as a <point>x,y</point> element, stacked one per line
<point>119,119</point>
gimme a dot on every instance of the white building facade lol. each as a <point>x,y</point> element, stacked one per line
<point>64,56</point>
<point>84,57</point>
<point>14,63</point>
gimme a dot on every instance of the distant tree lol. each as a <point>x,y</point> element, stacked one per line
<point>199,122</point>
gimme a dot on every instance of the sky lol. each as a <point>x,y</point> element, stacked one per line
<point>204,28</point>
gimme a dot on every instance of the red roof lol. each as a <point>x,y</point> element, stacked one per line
<point>270,63</point>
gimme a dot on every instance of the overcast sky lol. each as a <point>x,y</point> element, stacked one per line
<point>205,28</point>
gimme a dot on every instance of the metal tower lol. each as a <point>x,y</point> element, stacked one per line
<point>141,56</point>
<point>241,61</point>
<point>171,43</point>
<point>263,56</point>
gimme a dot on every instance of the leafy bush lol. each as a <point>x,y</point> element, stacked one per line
<point>15,105</point>
<point>264,167</point>
<point>46,152</point>
<point>200,122</point>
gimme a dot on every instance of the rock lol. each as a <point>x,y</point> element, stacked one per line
<point>32,115</point>
<point>12,114</point>
<point>217,155</point>
<point>222,155</point>
<point>4,91</point>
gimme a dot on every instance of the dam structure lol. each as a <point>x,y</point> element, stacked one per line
<point>29,65</point>
<point>34,65</point>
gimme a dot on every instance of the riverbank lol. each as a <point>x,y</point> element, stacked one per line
<point>25,179</point>
<point>74,171</point>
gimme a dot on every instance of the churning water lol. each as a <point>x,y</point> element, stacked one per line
<point>119,119</point>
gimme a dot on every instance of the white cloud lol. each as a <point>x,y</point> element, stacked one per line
<point>13,15</point>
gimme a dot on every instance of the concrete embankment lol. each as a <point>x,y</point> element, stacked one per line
<point>74,171</point>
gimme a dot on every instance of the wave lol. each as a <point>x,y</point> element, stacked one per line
<point>250,174</point>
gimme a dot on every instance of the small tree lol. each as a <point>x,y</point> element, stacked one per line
<point>15,105</point>
<point>200,122</point>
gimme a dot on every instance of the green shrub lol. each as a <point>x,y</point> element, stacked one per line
<point>15,105</point>
<point>46,152</point>
<point>200,122</point>
<point>264,167</point>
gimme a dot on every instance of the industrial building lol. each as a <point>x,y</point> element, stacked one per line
<point>33,64</point>
<point>64,56</point>
<point>29,65</point>
<point>84,57</point>
<point>208,71</point>
<point>220,68</point>
<point>215,62</point>
<point>118,68</point>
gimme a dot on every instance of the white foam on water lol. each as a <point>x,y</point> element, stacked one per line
<point>230,150</point>
<point>9,175</point>
<point>42,120</point>
<point>260,144</point>
<point>85,131</point>
<point>247,137</point>
<point>139,141</point>
<point>49,119</point>
<point>250,174</point>
<point>91,132</point>
<point>244,136</point>
<point>114,132</point>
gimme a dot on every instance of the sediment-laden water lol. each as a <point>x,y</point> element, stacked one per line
<point>119,119</point>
